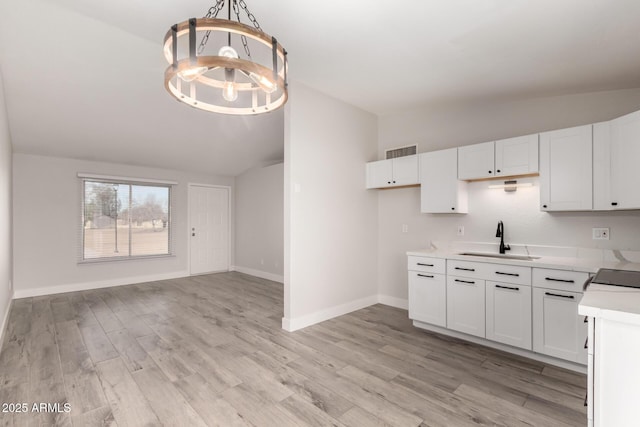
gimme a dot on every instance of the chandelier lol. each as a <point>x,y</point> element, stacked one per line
<point>212,76</point>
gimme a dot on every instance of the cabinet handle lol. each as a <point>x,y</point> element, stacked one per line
<point>388,182</point>
<point>551,279</point>
<point>465,269</point>
<point>586,398</point>
<point>394,182</point>
<point>586,319</point>
<point>490,171</point>
<point>559,295</point>
<point>614,203</point>
<point>544,206</point>
<point>586,343</point>
<point>425,265</point>
<point>453,209</point>
<point>508,274</point>
<point>425,275</point>
<point>466,281</point>
<point>498,171</point>
<point>507,287</point>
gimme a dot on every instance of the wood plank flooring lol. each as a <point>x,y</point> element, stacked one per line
<point>209,351</point>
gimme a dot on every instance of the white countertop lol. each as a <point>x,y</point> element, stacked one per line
<point>612,303</point>
<point>560,258</point>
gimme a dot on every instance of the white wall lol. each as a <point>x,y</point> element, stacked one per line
<point>46,233</point>
<point>524,223</point>
<point>6,290</point>
<point>330,219</point>
<point>259,204</point>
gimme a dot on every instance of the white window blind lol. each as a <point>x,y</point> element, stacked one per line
<point>123,220</point>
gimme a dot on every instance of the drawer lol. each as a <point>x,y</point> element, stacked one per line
<point>559,279</point>
<point>476,270</point>
<point>426,264</point>
<point>509,274</point>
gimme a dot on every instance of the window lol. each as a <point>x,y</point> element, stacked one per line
<point>125,219</point>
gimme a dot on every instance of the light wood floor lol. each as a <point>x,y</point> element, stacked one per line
<point>209,350</point>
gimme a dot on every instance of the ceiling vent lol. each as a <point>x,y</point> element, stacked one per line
<point>407,150</point>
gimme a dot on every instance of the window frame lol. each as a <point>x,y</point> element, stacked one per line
<point>104,179</point>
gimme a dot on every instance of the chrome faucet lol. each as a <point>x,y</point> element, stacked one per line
<point>500,234</point>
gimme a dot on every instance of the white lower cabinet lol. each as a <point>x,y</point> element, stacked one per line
<point>465,305</point>
<point>508,314</point>
<point>558,329</point>
<point>428,298</point>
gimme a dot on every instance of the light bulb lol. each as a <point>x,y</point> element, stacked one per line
<point>228,52</point>
<point>265,84</point>
<point>229,91</point>
<point>190,74</point>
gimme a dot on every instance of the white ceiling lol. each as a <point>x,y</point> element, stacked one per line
<point>84,78</point>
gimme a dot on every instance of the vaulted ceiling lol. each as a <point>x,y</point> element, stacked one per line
<point>84,78</point>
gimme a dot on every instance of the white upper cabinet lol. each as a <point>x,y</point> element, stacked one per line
<point>616,148</point>
<point>440,190</point>
<point>393,172</point>
<point>566,173</point>
<point>517,156</point>
<point>476,161</point>
<point>506,157</point>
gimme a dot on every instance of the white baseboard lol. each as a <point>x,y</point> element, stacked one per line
<point>293,324</point>
<point>73,287</point>
<point>393,301</point>
<point>258,273</point>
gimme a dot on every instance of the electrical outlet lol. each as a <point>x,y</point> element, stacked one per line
<point>600,233</point>
<point>461,230</point>
<point>405,228</point>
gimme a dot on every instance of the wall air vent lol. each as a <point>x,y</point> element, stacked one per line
<point>408,150</point>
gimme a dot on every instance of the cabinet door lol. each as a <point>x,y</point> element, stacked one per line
<point>405,170</point>
<point>509,314</point>
<point>558,330</point>
<point>625,154</point>
<point>440,190</point>
<point>428,298</point>
<point>465,305</point>
<point>476,161</point>
<point>379,174</point>
<point>566,169</point>
<point>517,156</point>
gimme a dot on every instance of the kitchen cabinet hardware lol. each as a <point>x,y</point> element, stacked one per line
<point>471,282</point>
<point>544,206</point>
<point>559,295</point>
<point>425,265</point>
<point>551,279</point>
<point>498,171</point>
<point>508,274</point>
<point>614,203</point>
<point>586,343</point>
<point>465,269</point>
<point>586,398</point>
<point>586,319</point>
<point>425,275</point>
<point>507,287</point>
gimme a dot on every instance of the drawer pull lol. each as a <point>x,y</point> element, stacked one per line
<point>586,343</point>
<point>508,274</point>
<point>586,319</point>
<point>559,295</point>
<point>466,281</point>
<point>551,279</point>
<point>425,265</point>
<point>425,275</point>
<point>465,269</point>
<point>586,398</point>
<point>507,287</point>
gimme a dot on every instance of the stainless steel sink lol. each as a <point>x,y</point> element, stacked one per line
<point>504,256</point>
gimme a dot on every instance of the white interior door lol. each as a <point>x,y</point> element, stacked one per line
<point>208,229</point>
